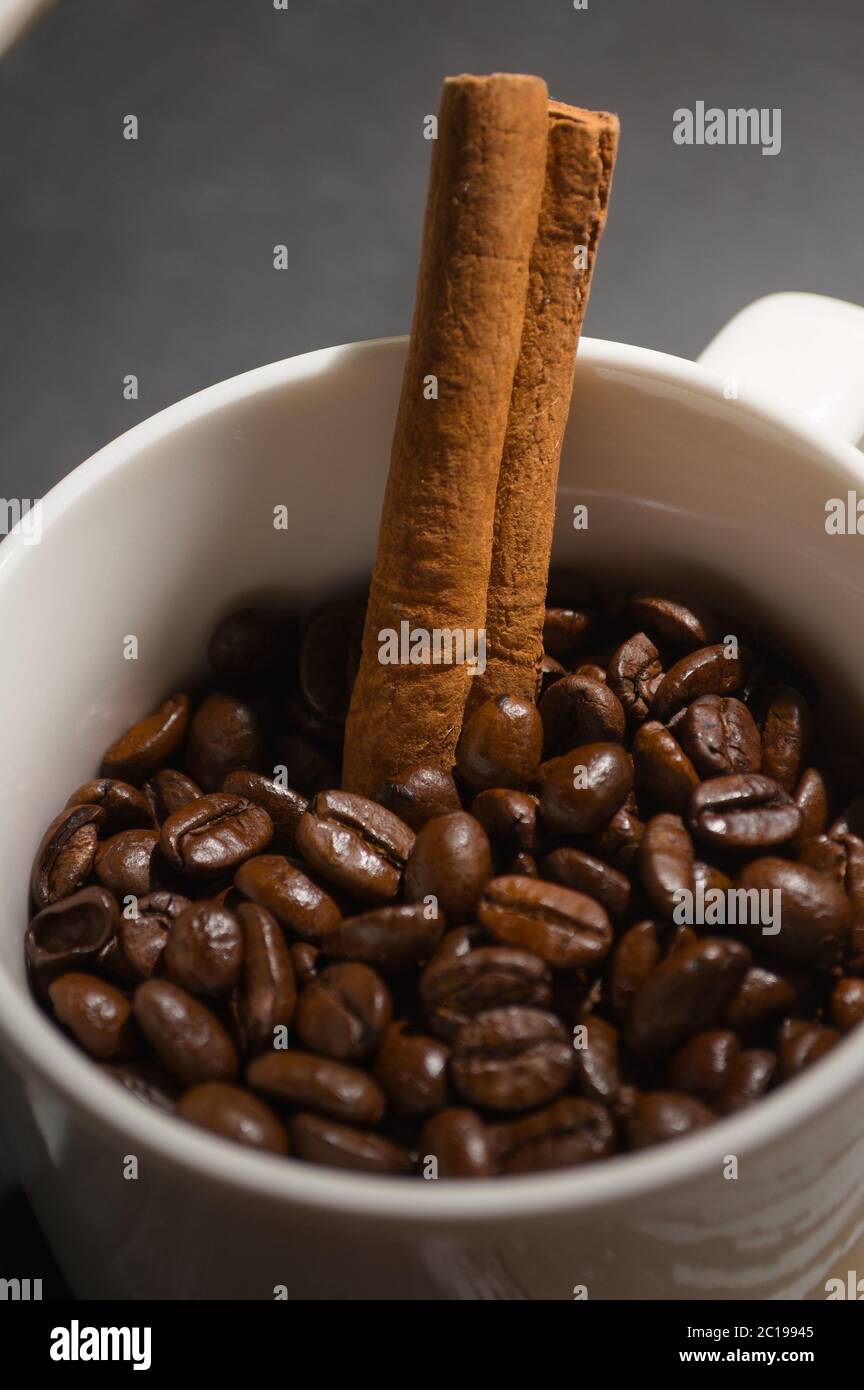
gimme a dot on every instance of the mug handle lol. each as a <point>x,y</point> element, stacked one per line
<point>804,351</point>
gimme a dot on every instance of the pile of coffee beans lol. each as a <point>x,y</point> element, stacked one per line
<point>489,972</point>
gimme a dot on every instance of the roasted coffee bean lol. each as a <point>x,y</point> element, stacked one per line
<point>659,1116</point>
<point>815,912</point>
<point>591,669</point>
<point>306,960</point>
<point>687,992</point>
<point>764,995</point>
<point>461,981</point>
<point>826,856</point>
<point>634,674</point>
<point>719,735</point>
<point>72,932</point>
<point>329,654</point>
<point>419,794</point>
<point>204,951</point>
<point>619,839</point>
<point>356,844</point>
<point>224,735</point>
<point>748,1076</point>
<point>566,929</point>
<point>451,860</point>
<point>411,1069</point>
<point>811,798</point>
<point>305,721</point>
<point>596,1046</point>
<point>634,958</point>
<point>708,671</point>
<point>459,1142</point>
<point>66,854</point>
<point>743,811</point>
<point>566,1134</point>
<point>847,1004</point>
<point>130,864</point>
<point>578,710</point>
<point>551,671</point>
<point>306,767</point>
<point>708,878</point>
<point>188,1039</point>
<point>501,744</point>
<point>320,1140</point>
<point>215,834</point>
<point>575,868</point>
<point>146,1081</point>
<point>125,807</point>
<point>149,743</point>
<point>803,1045</point>
<point>234,1114</point>
<point>786,736</point>
<point>317,1083</point>
<point>673,619</point>
<point>509,819</point>
<point>586,788</point>
<point>97,1015</point>
<point>250,643</point>
<point>567,631</point>
<point>701,1066</point>
<point>663,771</point>
<point>168,791</point>
<point>511,1059</point>
<point>344,1011</point>
<point>666,864</point>
<point>142,944</point>
<point>267,993</point>
<point>393,938</point>
<point>271,881</point>
<point>283,806</point>
<point>850,821</point>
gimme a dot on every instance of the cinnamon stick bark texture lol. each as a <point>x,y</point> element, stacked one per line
<point>435,539</point>
<point>580,156</point>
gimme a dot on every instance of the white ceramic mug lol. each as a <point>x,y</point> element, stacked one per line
<point>692,478</point>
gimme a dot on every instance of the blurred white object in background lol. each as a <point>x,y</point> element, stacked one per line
<point>15,16</point>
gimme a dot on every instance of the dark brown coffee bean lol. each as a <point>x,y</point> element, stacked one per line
<point>673,619</point>
<point>708,878</point>
<point>317,1083</point>
<point>234,1114</point>
<point>509,819</point>
<point>659,1116</point>
<point>267,994</point>
<point>634,674</point>
<point>743,811</point>
<point>188,1039</point>
<point>419,794</point>
<point>411,1069</point>
<point>567,1134</point>
<point>142,943</point>
<point>815,912</point>
<point>393,938</point>
<point>719,735</point>
<point>344,1012</point>
<point>224,735</point>
<point>811,798</point>
<point>329,652</point>
<point>567,631</point>
<point>71,932</point>
<point>619,839</point>
<point>306,768</point>
<point>129,864</point>
<point>634,957</point>
<point>566,929</point>
<point>595,1047</point>
<point>306,960</point>
<point>283,806</point>
<point>320,1140</point>
<point>451,860</point>
<point>666,864</point>
<point>125,807</point>
<point>511,1059</point>
<point>458,1141</point>
<point>294,900</point>
<point>575,868</point>
<point>66,854</point>
<point>847,1004</point>
<point>578,710</point>
<point>786,733</point>
<point>215,834</point>
<point>663,770</point>
<point>765,994</point>
<point>356,844</point>
<point>850,821</point>
<point>461,981</point>
<point>551,671</point>
<point>250,643</point>
<point>586,788</point>
<point>701,1066</point>
<point>168,791</point>
<point>149,743</point>
<point>146,1081</point>
<point>204,951</point>
<point>708,671</point>
<point>501,744</point>
<point>803,1045</point>
<point>97,1015</point>
<point>748,1077</point>
<point>687,992</point>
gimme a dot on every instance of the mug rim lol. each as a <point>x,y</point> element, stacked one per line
<point>31,1039</point>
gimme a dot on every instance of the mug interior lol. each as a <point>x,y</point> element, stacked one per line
<point>172,526</point>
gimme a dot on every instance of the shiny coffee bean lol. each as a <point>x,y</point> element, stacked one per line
<point>129,864</point>
<point>511,1059</point>
<point>215,834</point>
<point>586,788</point>
<point>462,980</point>
<point>419,794</point>
<point>764,995</point>
<point>411,1069</point>
<point>743,811</point>
<point>596,1052</point>
<point>799,1047</point>
<point>567,631</point>
<point>566,929</point>
<point>708,671</point>
<point>204,950</point>
<point>71,933</point>
<point>234,1114</point>
<point>451,859</point>
<point>673,619</point>
<point>578,710</point>
<point>509,819</point>
<point>66,854</point>
<point>665,862</point>
<point>225,734</point>
<point>684,994</point>
<point>633,960</point>
<point>392,938</point>
<point>815,912</point>
<point>167,791</point>
<point>146,1081</point>
<point>187,1038</point>
<point>250,643</point>
<point>710,878</point>
<point>701,1066</point>
<point>786,733</point>
<point>97,1015</point>
<point>458,1141</point>
<point>811,798</point>
<point>719,735</point>
<point>148,744</point>
<point>663,771</point>
<point>142,943</point>
<point>317,1083</point>
<point>501,744</point>
<point>306,960</point>
<point>329,654</point>
<point>344,1012</point>
<point>575,868</point>
<point>125,807</point>
<point>748,1076</point>
<point>566,1134</point>
<point>660,1116</point>
<point>320,1140</point>
<point>847,1004</point>
<point>619,839</point>
<point>271,881</point>
<point>355,844</point>
<point>634,674</point>
<point>283,806</point>
<point>266,994</point>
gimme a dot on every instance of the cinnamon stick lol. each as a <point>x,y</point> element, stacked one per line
<point>435,539</point>
<point>580,156</point>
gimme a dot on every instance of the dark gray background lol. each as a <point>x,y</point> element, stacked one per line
<point>303,127</point>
